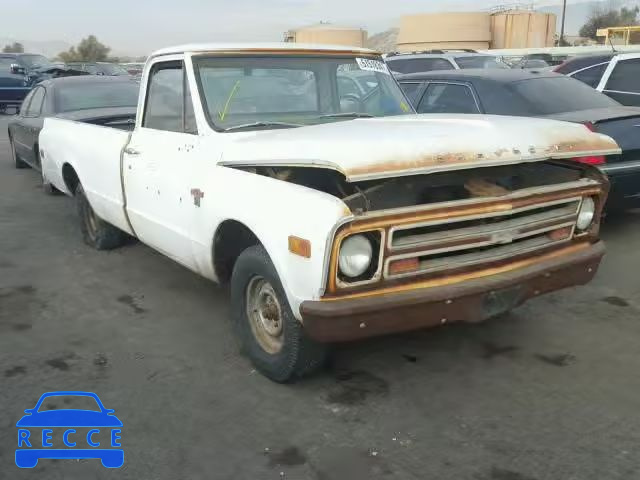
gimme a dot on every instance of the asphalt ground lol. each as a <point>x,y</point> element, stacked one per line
<point>550,391</point>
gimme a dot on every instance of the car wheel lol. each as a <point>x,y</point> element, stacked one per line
<point>96,232</point>
<point>16,159</point>
<point>271,336</point>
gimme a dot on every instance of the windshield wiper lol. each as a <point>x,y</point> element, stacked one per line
<point>348,115</point>
<point>263,124</point>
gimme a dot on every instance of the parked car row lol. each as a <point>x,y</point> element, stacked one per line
<point>20,72</point>
<point>548,95</point>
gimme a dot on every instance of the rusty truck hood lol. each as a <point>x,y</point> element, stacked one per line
<point>366,149</point>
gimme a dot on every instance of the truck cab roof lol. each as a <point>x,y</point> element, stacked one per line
<point>283,47</point>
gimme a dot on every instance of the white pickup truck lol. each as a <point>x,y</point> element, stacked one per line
<point>301,176</point>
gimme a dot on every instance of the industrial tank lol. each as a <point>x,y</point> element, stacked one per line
<point>459,30</point>
<point>522,29</point>
<point>328,34</point>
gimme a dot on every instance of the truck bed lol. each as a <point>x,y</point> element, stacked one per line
<point>95,153</point>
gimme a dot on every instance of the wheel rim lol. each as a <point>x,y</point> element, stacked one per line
<point>90,221</point>
<point>264,314</point>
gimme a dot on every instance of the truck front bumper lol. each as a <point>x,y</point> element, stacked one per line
<point>467,301</point>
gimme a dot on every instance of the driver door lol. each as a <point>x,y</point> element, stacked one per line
<point>159,165</point>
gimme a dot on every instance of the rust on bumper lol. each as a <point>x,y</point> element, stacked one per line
<point>468,301</point>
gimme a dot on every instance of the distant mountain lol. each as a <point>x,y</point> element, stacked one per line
<point>384,41</point>
<point>49,48</point>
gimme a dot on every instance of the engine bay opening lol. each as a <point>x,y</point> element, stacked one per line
<point>383,194</point>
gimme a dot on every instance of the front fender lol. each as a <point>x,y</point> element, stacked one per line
<point>273,210</point>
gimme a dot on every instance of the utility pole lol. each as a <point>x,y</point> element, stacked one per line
<point>564,11</point>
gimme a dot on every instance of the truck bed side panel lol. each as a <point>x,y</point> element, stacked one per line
<point>94,152</point>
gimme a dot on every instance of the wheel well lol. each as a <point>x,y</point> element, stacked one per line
<point>230,240</point>
<point>70,178</point>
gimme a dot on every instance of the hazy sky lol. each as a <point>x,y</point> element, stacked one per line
<point>139,26</point>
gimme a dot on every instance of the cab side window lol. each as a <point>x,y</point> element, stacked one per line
<point>169,106</point>
<point>35,107</point>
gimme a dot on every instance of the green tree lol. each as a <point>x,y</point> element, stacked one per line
<point>15,47</point>
<point>88,50</point>
<point>600,18</point>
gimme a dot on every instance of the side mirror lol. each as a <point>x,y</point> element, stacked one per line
<point>17,69</point>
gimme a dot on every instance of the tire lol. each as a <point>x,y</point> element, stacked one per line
<point>96,232</point>
<point>281,351</point>
<point>16,159</point>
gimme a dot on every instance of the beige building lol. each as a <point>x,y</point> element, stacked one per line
<point>327,33</point>
<point>523,29</point>
<point>476,30</point>
<point>444,30</point>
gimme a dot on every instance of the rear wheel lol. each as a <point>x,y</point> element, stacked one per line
<point>96,232</point>
<point>270,334</point>
<point>16,159</point>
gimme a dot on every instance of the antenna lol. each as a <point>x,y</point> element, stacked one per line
<point>611,43</point>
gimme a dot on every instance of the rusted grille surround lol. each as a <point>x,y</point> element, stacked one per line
<point>511,227</point>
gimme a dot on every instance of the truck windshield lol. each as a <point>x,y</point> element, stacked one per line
<point>289,91</point>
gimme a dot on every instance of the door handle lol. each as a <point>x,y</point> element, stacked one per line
<point>131,151</point>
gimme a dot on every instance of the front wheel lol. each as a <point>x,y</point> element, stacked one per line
<point>270,334</point>
<point>96,232</point>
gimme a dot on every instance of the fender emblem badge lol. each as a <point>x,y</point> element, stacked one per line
<point>197,195</point>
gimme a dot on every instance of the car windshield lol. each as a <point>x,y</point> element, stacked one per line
<point>548,96</point>
<point>83,96</point>
<point>112,69</point>
<point>76,402</point>
<point>35,61</point>
<point>281,91</point>
<point>480,61</point>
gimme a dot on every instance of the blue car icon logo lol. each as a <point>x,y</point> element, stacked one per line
<point>47,431</point>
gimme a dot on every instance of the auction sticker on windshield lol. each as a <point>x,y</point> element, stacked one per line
<point>372,65</point>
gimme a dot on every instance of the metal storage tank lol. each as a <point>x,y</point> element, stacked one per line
<point>523,29</point>
<point>328,34</point>
<point>444,30</point>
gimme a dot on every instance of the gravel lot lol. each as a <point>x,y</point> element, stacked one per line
<point>550,391</point>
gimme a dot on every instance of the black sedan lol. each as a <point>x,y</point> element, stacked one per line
<point>100,100</point>
<point>531,93</point>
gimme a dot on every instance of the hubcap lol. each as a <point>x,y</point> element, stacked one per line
<point>265,314</point>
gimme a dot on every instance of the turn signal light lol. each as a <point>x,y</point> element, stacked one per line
<point>560,234</point>
<point>403,266</point>
<point>300,246</point>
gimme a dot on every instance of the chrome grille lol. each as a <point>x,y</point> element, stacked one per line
<point>475,239</point>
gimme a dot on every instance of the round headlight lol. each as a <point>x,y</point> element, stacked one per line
<point>586,213</point>
<point>355,255</point>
